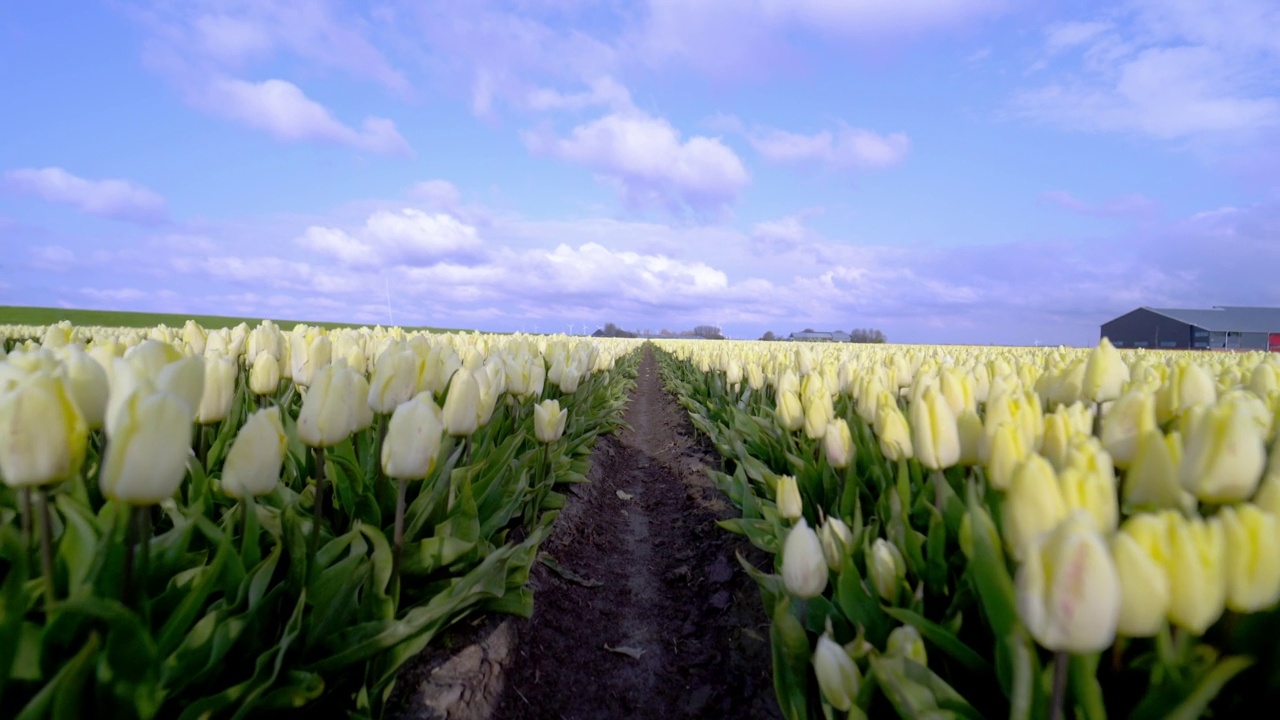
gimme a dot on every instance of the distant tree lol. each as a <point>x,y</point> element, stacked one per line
<point>869,335</point>
<point>769,336</point>
<point>612,330</point>
<point>808,330</point>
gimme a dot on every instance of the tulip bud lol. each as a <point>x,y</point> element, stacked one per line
<point>817,414</point>
<point>264,377</point>
<point>43,435</point>
<point>1104,374</point>
<point>957,387</point>
<point>194,336</point>
<point>1008,451</point>
<point>1265,379</point>
<point>1092,493</point>
<point>969,429</point>
<point>1189,385</point>
<point>838,677</point>
<point>905,641</point>
<point>1140,553</point>
<point>893,433</point>
<point>1197,572</point>
<point>838,442</point>
<point>790,505</point>
<point>461,413</point>
<point>935,437</point>
<point>1033,505</point>
<point>256,455</point>
<point>1225,456</point>
<point>361,415</point>
<point>804,567</point>
<point>790,411</point>
<point>1068,589</point>
<point>185,379</point>
<point>887,568</point>
<point>395,380</point>
<point>569,380</point>
<point>88,384</point>
<point>413,439</point>
<point>548,421</point>
<point>1131,416</point>
<point>1057,440</point>
<point>146,458</point>
<point>219,390</point>
<point>325,419</point>
<point>836,539</point>
<point>1252,557</point>
<point>1152,479</point>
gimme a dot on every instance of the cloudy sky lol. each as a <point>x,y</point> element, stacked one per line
<point>984,171</point>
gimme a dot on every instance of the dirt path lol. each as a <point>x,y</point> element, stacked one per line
<point>688,634</point>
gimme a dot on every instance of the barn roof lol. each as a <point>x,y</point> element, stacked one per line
<point>1226,318</point>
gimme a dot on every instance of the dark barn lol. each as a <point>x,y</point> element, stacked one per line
<point>1220,328</point>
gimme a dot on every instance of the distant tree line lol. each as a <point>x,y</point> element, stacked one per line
<point>862,335</point>
<point>869,335</point>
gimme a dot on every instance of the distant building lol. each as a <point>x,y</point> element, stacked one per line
<point>816,336</point>
<point>1221,328</point>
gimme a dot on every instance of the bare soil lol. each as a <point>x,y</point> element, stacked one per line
<point>649,615</point>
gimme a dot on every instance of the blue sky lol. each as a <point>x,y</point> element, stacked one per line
<point>974,171</point>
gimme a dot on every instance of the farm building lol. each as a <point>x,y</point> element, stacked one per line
<point>1220,328</point>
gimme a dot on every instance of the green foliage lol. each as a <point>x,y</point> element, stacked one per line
<point>226,613</point>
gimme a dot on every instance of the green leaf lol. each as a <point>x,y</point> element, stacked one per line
<point>61,695</point>
<point>78,543</point>
<point>1193,705</point>
<point>916,691</point>
<point>188,610</point>
<point>859,606</point>
<point>13,603</point>
<point>995,587</point>
<point>944,640</point>
<point>791,653</point>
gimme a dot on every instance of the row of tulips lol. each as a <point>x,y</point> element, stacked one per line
<point>209,523</point>
<point>987,532</point>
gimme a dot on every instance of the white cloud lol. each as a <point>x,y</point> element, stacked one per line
<point>112,198</point>
<point>1063,36</point>
<point>846,148</point>
<point>1131,204</point>
<point>52,258</point>
<point>742,37</point>
<point>650,161</point>
<point>440,194</point>
<point>603,91</point>
<point>408,237</point>
<point>207,37</point>
<point>113,294</point>
<point>284,111</point>
<point>1169,70</point>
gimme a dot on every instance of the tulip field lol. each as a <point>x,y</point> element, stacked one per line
<point>224,523</point>
<point>1003,532</point>
<point>240,521</point>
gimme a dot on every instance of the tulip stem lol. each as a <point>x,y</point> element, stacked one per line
<point>46,549</point>
<point>397,546</point>
<point>142,516</point>
<point>27,512</point>
<point>378,477</point>
<point>318,515</point>
<point>249,542</point>
<point>1061,660</point>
